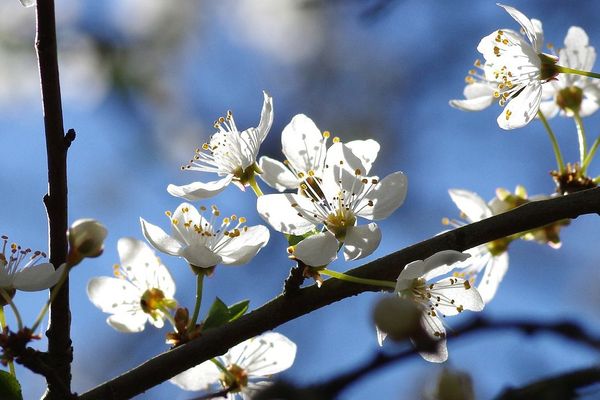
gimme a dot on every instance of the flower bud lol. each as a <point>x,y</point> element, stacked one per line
<point>398,318</point>
<point>86,239</point>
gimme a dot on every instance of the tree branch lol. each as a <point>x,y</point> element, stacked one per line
<point>59,342</point>
<point>285,308</point>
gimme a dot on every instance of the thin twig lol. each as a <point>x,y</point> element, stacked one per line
<point>286,308</point>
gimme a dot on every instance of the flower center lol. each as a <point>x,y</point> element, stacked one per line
<point>153,300</point>
<point>235,378</point>
<point>339,221</point>
<point>570,98</point>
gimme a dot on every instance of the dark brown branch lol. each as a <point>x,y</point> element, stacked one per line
<point>58,333</point>
<point>286,308</point>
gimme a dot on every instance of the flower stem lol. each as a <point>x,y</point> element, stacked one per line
<point>11,365</point>
<point>596,180</point>
<point>580,136</point>
<point>167,314</point>
<point>199,286</point>
<point>9,301</point>
<point>559,160</point>
<point>53,294</point>
<point>254,185</point>
<point>354,279</point>
<point>567,70</point>
<point>590,155</point>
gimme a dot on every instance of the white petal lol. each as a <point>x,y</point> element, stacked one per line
<point>113,295</point>
<point>433,325</point>
<point>491,277</point>
<point>470,204</point>
<point>277,210</point>
<point>28,3</point>
<point>588,106</point>
<point>366,150</point>
<point>128,323</point>
<point>241,249</point>
<point>198,255</point>
<point>159,239</point>
<point>463,295</point>
<point>443,262</point>
<point>37,277</point>
<point>523,108</point>
<point>387,196</point>
<point>200,190</point>
<point>361,241</point>
<point>200,377</point>
<point>381,335</point>
<point>421,268</point>
<point>478,97</point>
<point>317,250</point>
<point>549,108</point>
<point>277,175</point>
<point>577,53</point>
<point>340,155</point>
<point>530,30</point>
<point>266,117</point>
<point>187,213</point>
<point>263,355</point>
<point>303,144</point>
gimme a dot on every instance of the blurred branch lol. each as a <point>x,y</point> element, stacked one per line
<point>286,308</point>
<point>558,387</point>
<point>59,341</point>
<point>567,330</point>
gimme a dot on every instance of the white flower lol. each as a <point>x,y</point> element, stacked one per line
<point>230,154</point>
<point>304,148</point>
<point>569,91</point>
<point>201,243</point>
<point>142,291</point>
<point>488,262</point>
<point>86,239</point>
<point>442,298</point>
<point>513,73</point>
<point>31,277</point>
<point>256,358</point>
<point>335,202</point>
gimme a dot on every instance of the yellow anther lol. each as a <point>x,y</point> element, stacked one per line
<point>326,134</point>
<point>311,173</point>
<point>233,217</point>
<point>205,146</point>
<point>168,214</point>
<point>242,220</point>
<point>357,172</point>
<point>221,120</point>
<point>290,249</point>
<point>445,221</point>
<point>225,221</point>
<point>467,285</point>
<point>477,63</point>
<point>175,221</point>
<point>336,139</point>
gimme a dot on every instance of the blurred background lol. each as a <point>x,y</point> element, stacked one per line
<point>143,80</point>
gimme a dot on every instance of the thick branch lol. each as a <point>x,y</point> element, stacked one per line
<point>59,342</point>
<point>285,308</point>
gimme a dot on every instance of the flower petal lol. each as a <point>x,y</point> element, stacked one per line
<point>277,211</point>
<point>276,174</point>
<point>129,322</point>
<point>113,295</point>
<point>493,274</point>
<point>159,239</point>
<point>532,33</point>
<point>303,144</point>
<point>339,155</point>
<point>241,249</point>
<point>200,377</point>
<point>198,255</point>
<point>361,241</point>
<point>387,196</point>
<point>266,117</point>
<point>457,295</point>
<point>188,218</point>
<point>435,329</point>
<point>263,355</point>
<point>37,277</point>
<point>317,250</point>
<point>478,97</point>
<point>366,150</point>
<point>521,109</point>
<point>200,190</point>
<point>577,53</point>
<point>470,204</point>
<point>421,268</point>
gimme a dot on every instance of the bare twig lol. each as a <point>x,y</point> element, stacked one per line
<point>286,308</point>
<point>59,342</point>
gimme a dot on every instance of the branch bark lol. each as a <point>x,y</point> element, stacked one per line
<point>58,333</point>
<point>286,308</point>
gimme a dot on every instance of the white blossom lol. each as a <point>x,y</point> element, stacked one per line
<point>230,154</point>
<point>335,202</point>
<point>141,291</point>
<point>245,365</point>
<point>202,243</point>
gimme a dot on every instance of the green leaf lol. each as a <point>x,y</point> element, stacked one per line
<point>217,315</point>
<point>295,239</point>
<point>238,309</point>
<point>10,388</point>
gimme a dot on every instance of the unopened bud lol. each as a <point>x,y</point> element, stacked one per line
<point>86,239</point>
<point>398,318</point>
<point>454,385</point>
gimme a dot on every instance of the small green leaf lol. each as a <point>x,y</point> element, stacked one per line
<point>238,309</point>
<point>10,388</point>
<point>295,239</point>
<point>217,315</point>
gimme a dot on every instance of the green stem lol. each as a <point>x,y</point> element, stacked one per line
<point>355,279</point>
<point>254,185</point>
<point>557,154</point>
<point>11,365</point>
<point>596,180</point>
<point>590,155</point>
<point>567,70</point>
<point>580,136</point>
<point>53,294</point>
<point>9,301</point>
<point>199,285</point>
